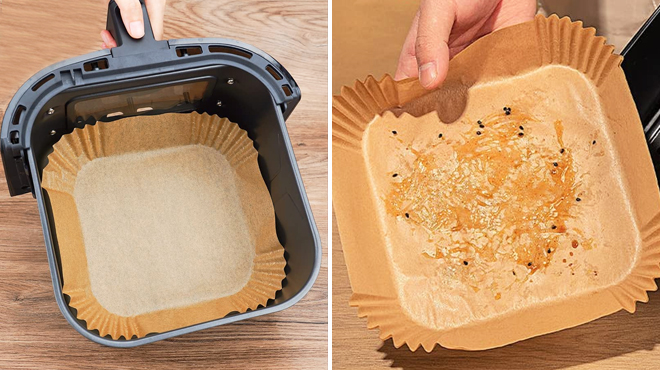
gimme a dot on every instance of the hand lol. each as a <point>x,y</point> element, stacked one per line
<point>131,13</point>
<point>442,28</point>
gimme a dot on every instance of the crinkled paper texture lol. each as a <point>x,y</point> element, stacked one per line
<point>162,222</point>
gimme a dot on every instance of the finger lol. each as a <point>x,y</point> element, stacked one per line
<point>407,66</point>
<point>156,10</point>
<point>108,40</point>
<point>436,20</point>
<point>104,46</point>
<point>131,13</point>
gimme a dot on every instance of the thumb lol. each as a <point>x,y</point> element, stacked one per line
<point>431,46</point>
<point>131,14</point>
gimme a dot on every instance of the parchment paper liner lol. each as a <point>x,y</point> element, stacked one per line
<point>507,52</point>
<point>147,133</point>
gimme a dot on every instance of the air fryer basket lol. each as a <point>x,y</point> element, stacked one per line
<point>214,76</point>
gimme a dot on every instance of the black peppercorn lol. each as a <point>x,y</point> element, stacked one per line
<point>555,164</point>
<point>395,175</point>
<point>593,142</point>
<point>394,132</point>
<point>529,264</point>
<point>520,127</point>
<point>482,126</point>
<point>549,250</point>
<point>553,227</point>
<point>465,263</point>
<point>521,134</point>
<point>407,215</point>
<point>562,151</point>
<point>440,136</point>
<point>478,132</point>
<point>578,199</point>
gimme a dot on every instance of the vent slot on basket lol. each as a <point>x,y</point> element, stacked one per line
<point>287,90</point>
<point>17,116</point>
<point>42,82</point>
<point>13,137</point>
<point>230,50</point>
<point>96,65</point>
<point>185,51</point>
<point>273,72</point>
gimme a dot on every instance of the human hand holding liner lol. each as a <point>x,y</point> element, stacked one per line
<point>442,28</point>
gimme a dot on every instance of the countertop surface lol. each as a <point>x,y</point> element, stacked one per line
<point>33,332</point>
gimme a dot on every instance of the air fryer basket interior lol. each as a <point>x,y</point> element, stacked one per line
<point>248,103</point>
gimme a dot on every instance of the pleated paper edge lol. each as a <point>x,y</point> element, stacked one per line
<point>81,146</point>
<point>355,108</point>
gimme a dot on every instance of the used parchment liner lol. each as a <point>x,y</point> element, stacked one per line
<point>569,58</point>
<point>162,222</point>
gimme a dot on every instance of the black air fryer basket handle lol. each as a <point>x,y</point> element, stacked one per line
<point>125,43</point>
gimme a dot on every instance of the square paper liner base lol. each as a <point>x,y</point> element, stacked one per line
<point>504,54</point>
<point>162,222</point>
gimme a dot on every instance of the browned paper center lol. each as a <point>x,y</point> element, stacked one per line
<point>471,210</point>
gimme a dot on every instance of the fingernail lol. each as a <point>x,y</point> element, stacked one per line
<point>427,74</point>
<point>137,29</point>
